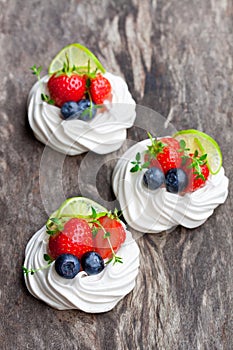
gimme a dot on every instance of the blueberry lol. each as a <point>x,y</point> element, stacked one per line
<point>82,110</point>
<point>69,109</point>
<point>176,180</point>
<point>67,265</point>
<point>92,263</point>
<point>87,111</point>
<point>153,178</point>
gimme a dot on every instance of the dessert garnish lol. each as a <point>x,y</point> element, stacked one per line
<point>181,163</point>
<point>79,106</point>
<point>173,181</point>
<point>84,258</point>
<point>77,239</point>
<point>76,83</point>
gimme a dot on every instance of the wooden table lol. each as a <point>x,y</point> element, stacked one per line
<point>177,59</point>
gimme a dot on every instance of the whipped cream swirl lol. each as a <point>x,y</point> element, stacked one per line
<point>93,294</point>
<point>104,134</point>
<point>155,211</point>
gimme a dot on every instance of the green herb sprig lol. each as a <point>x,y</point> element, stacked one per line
<point>137,164</point>
<point>36,71</point>
<point>31,271</point>
<point>196,164</point>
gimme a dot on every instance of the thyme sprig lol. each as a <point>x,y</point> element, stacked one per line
<point>36,71</point>
<point>31,271</point>
<point>138,165</point>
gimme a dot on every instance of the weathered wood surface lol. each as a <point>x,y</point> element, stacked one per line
<point>177,59</point>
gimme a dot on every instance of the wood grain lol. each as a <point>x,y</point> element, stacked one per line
<point>177,59</point>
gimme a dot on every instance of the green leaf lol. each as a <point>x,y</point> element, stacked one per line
<point>36,71</point>
<point>25,270</point>
<point>107,234</point>
<point>51,102</point>
<point>94,231</point>
<point>203,157</point>
<point>115,259</point>
<point>108,262</point>
<point>138,157</point>
<point>51,232</point>
<point>47,99</point>
<point>47,258</point>
<point>55,221</point>
<point>118,259</point>
<point>182,144</point>
<point>145,165</point>
<point>94,213</point>
<point>135,169</point>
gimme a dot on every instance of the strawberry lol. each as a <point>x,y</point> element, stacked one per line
<point>167,151</point>
<point>65,87</point>
<point>100,88</point>
<point>197,171</point>
<point>75,238</point>
<point>108,230</point>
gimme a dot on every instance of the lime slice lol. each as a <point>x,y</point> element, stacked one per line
<point>80,207</point>
<point>197,140</point>
<point>78,56</point>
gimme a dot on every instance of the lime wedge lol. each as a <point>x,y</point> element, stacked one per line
<point>197,140</point>
<point>78,56</point>
<point>80,207</point>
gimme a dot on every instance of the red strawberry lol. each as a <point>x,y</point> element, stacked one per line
<point>165,150</point>
<point>75,238</point>
<point>117,236</point>
<point>197,171</point>
<point>100,89</point>
<point>66,87</point>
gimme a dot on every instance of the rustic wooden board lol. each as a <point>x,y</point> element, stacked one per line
<point>177,59</point>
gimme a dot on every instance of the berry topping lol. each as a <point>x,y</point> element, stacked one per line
<point>82,110</point>
<point>109,236</point>
<point>81,229</point>
<point>153,178</point>
<point>75,238</point>
<point>197,171</point>
<point>166,151</point>
<point>76,76</point>
<point>67,266</point>
<point>100,89</point>
<point>92,263</point>
<point>183,171</point>
<point>69,109</point>
<point>65,87</point>
<point>176,180</point>
<point>87,110</point>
